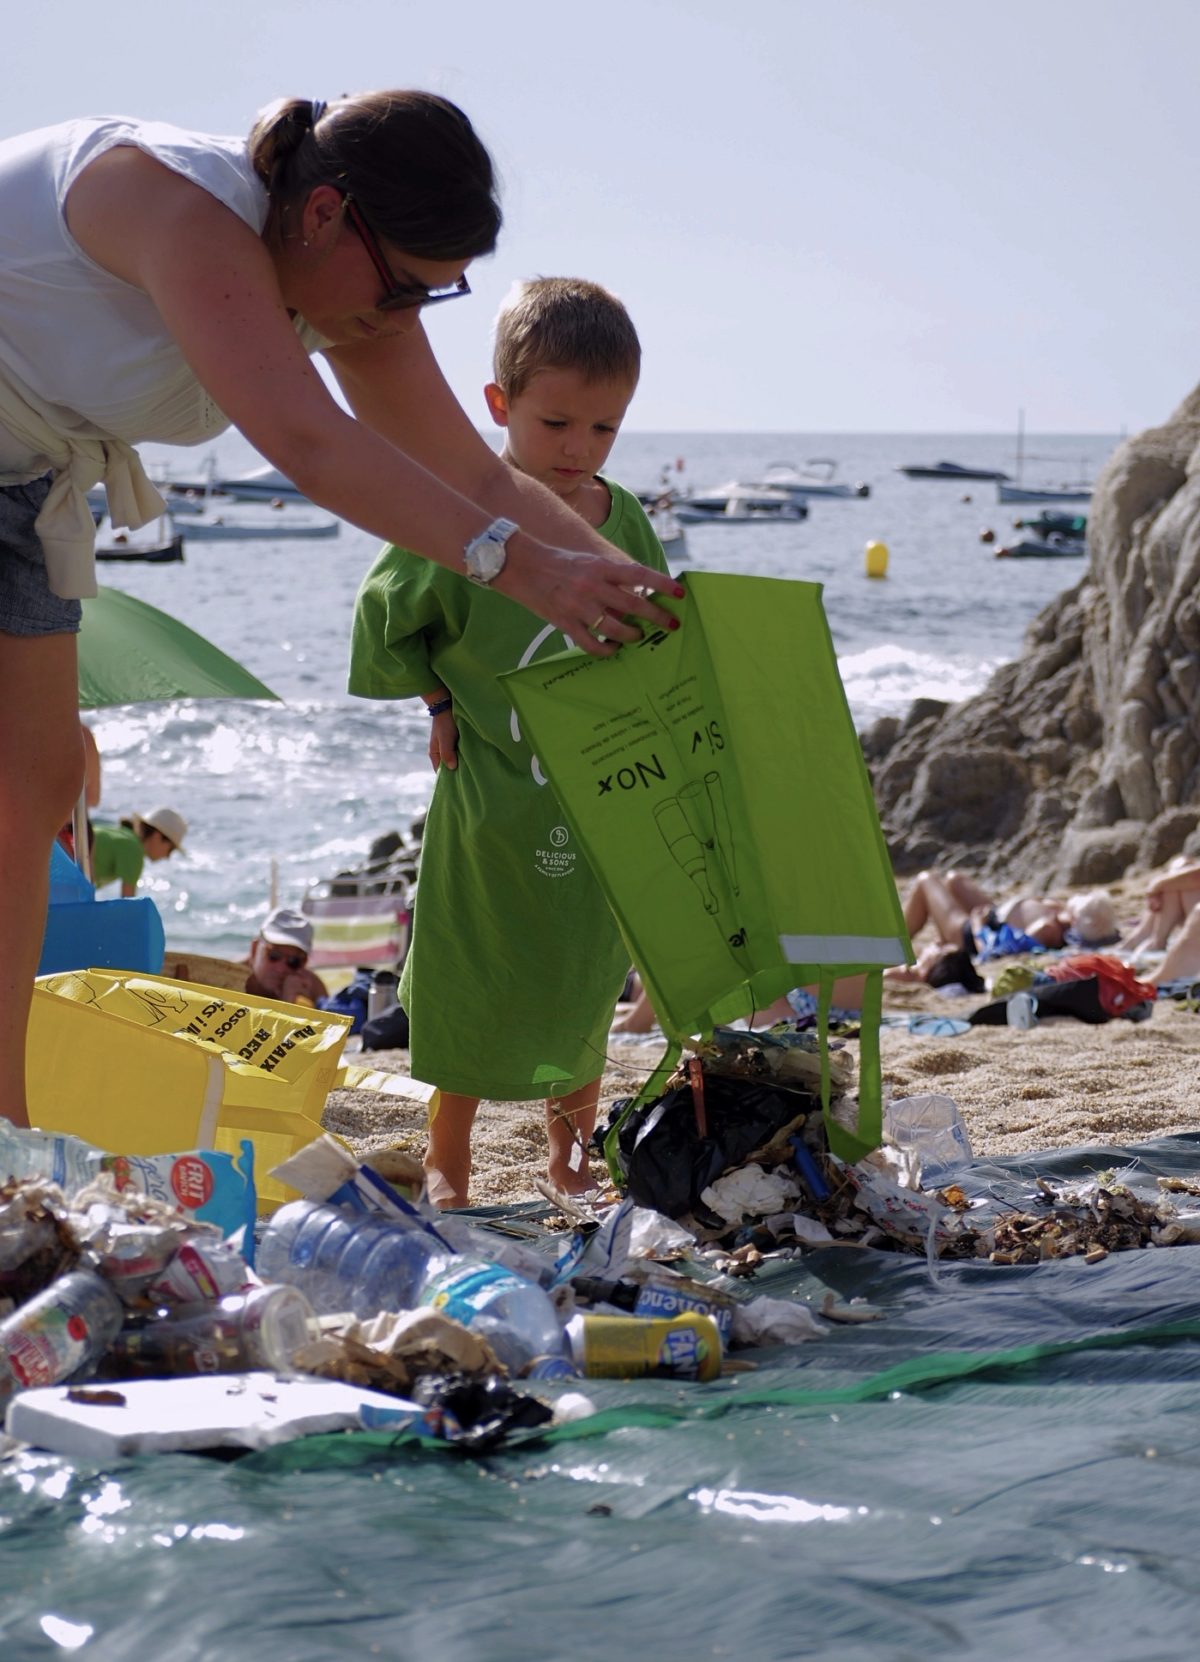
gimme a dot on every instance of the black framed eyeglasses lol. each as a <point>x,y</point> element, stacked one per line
<point>398,296</point>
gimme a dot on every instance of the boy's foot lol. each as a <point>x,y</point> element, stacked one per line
<point>571,1182</point>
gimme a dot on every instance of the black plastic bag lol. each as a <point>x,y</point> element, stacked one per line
<point>671,1150</point>
<point>386,1031</point>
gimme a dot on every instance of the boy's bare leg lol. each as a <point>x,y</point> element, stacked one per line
<point>570,1121</point>
<point>41,775</point>
<point>448,1152</point>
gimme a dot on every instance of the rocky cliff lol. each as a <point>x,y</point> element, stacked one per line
<point>1082,759</point>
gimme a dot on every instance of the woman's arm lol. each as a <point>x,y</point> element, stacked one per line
<point>213,282</point>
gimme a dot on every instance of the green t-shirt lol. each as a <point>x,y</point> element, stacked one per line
<point>516,960</point>
<point>117,855</point>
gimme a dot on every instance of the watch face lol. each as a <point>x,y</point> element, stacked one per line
<point>485,559</point>
<point>484,556</point>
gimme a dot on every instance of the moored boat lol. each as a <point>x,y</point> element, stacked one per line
<point>815,478</point>
<point>949,470</point>
<point>737,504</point>
<point>158,543</point>
<point>221,519</point>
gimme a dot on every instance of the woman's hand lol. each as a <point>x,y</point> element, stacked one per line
<point>588,596</point>
<point>443,741</point>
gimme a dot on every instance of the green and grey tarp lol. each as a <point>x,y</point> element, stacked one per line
<point>714,779</point>
<point>1003,1463</point>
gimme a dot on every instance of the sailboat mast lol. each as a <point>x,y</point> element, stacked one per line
<point>1020,445</point>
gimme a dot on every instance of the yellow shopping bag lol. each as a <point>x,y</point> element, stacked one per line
<point>140,1064</point>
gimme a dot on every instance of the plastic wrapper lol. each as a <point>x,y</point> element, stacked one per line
<point>210,1187</point>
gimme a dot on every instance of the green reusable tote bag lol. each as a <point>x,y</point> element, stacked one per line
<point>714,779</point>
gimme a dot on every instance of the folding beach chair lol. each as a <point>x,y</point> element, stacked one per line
<point>359,918</point>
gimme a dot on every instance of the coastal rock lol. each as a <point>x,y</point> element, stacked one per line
<point>1082,759</point>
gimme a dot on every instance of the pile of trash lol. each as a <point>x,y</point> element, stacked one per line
<point>142,1308</point>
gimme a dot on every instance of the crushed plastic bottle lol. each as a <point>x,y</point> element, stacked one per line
<point>61,1333</point>
<point>361,1264</point>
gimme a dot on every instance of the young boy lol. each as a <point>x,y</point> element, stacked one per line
<point>516,961</point>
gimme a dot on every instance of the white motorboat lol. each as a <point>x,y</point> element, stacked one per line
<point>260,484</point>
<point>225,519</point>
<point>738,504</point>
<point>815,478</point>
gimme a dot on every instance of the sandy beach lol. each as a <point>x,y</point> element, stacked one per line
<point>1060,1083</point>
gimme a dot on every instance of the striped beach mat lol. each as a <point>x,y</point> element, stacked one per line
<point>358,918</point>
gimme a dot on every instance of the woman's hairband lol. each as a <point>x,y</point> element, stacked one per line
<point>317,108</point>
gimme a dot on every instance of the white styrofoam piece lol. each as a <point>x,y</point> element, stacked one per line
<point>250,1410</point>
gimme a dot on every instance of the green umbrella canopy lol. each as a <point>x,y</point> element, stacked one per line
<point>131,653</point>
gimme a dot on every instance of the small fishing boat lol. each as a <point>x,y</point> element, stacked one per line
<point>666,527</point>
<point>737,504</point>
<point>949,470</point>
<point>158,543</point>
<point>1081,492</point>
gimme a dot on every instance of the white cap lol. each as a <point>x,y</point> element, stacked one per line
<point>287,928</point>
<point>171,825</point>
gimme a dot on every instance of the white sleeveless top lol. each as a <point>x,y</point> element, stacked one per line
<point>87,367</point>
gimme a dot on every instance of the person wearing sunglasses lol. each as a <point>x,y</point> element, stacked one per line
<point>158,284</point>
<point>278,960</point>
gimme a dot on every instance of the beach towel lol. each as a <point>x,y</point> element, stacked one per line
<point>714,779</point>
<point>1003,942</point>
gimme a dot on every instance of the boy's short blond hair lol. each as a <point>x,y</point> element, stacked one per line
<point>563,323</point>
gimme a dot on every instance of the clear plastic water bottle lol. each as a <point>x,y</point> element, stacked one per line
<point>61,1333</point>
<point>340,1262</point>
<point>513,1315</point>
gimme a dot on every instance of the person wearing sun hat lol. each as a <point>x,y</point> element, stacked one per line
<point>278,960</point>
<point>119,852</point>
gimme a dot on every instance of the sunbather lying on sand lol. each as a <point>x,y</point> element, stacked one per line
<point>1170,900</point>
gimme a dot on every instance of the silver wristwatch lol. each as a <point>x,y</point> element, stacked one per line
<point>485,554</point>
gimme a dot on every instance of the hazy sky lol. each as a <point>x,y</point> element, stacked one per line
<point>880,215</point>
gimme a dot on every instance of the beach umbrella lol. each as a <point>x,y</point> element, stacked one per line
<point>131,653</point>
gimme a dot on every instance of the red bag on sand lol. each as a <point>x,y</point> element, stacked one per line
<point>1117,986</point>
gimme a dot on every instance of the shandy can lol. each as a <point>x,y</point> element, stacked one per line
<point>646,1347</point>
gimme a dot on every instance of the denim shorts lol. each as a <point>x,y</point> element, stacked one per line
<point>27,607</point>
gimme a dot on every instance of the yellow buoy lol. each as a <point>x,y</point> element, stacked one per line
<point>877,559</point>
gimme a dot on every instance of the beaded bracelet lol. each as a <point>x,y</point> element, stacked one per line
<point>440,708</point>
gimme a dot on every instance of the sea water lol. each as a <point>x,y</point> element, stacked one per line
<point>304,786</point>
